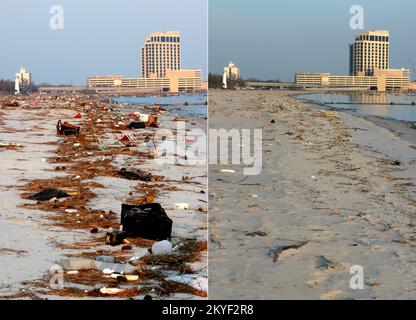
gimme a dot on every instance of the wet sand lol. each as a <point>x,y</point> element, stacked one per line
<point>329,182</point>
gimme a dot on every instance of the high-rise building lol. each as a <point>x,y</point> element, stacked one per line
<point>232,72</point>
<point>24,77</point>
<point>369,51</point>
<point>160,52</point>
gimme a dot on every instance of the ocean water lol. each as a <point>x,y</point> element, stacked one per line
<point>199,110</point>
<point>376,104</point>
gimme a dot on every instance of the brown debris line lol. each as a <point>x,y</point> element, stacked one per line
<point>11,146</point>
<point>79,293</point>
<point>19,295</point>
<point>170,287</point>
<point>80,194</point>
<point>94,277</point>
<point>12,251</point>
<point>94,242</point>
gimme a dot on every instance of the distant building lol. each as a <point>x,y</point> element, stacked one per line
<point>174,81</point>
<point>369,67</point>
<point>381,80</point>
<point>160,52</point>
<point>105,81</point>
<point>161,68</point>
<point>369,51</point>
<point>232,72</point>
<point>23,77</point>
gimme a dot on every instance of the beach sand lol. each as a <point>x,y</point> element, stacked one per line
<point>328,179</point>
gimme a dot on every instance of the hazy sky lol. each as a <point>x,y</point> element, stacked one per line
<point>274,39</point>
<point>99,36</point>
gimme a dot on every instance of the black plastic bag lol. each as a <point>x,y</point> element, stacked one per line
<point>148,221</point>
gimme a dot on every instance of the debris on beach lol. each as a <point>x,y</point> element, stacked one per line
<point>66,128</point>
<point>323,263</point>
<point>77,192</point>
<point>286,245</point>
<point>48,194</point>
<point>148,221</point>
<point>131,175</point>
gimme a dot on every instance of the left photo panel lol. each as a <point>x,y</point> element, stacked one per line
<point>103,149</point>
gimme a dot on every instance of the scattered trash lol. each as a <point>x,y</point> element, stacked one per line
<point>111,291</point>
<point>116,237</point>
<point>10,104</point>
<point>136,125</point>
<point>108,271</point>
<point>272,121</point>
<point>78,264</point>
<point>71,210</point>
<point>130,175</point>
<point>131,277</point>
<point>49,194</point>
<point>161,247</point>
<point>152,122</point>
<point>127,137</point>
<point>78,116</point>
<point>323,263</point>
<point>141,116</point>
<point>256,233</point>
<point>94,230</point>
<point>181,206</point>
<point>276,251</point>
<point>73,272</point>
<point>148,221</point>
<point>396,163</point>
<point>66,128</point>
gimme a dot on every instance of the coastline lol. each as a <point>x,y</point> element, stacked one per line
<point>406,130</point>
<point>326,185</point>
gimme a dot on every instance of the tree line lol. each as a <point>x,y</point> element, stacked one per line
<point>7,86</point>
<point>215,82</point>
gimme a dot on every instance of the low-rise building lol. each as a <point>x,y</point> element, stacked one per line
<point>105,81</point>
<point>381,80</point>
<point>175,81</point>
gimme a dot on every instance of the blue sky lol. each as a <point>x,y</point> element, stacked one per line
<point>273,39</point>
<point>99,36</point>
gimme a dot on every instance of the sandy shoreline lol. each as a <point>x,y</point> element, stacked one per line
<point>37,235</point>
<point>405,129</point>
<point>335,188</point>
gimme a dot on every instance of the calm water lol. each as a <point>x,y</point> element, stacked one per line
<point>396,112</point>
<point>193,110</point>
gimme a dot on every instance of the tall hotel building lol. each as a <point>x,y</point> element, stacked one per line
<point>369,51</point>
<point>160,52</point>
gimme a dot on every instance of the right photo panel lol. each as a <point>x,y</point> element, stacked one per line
<point>312,150</point>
